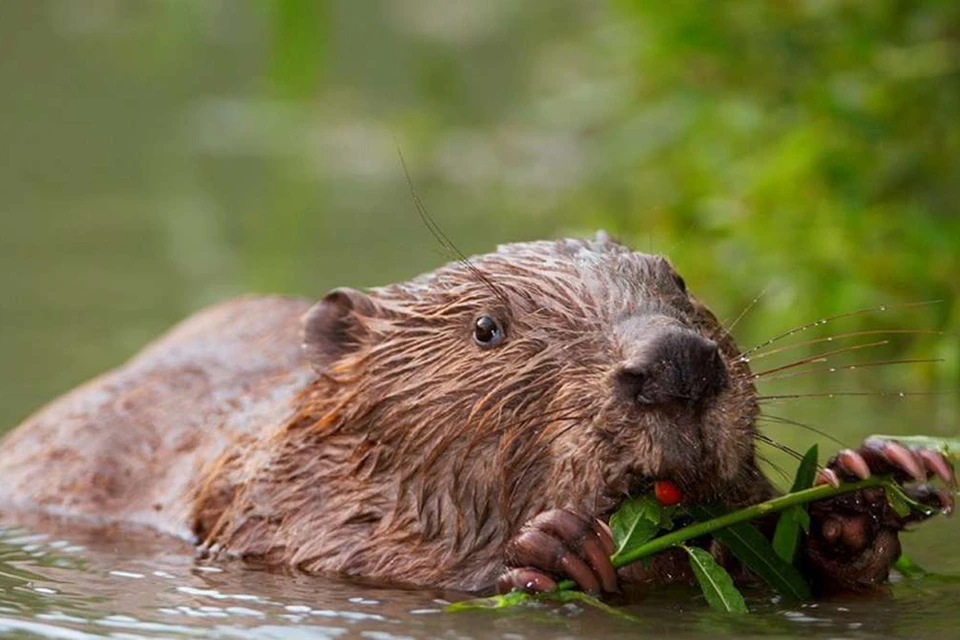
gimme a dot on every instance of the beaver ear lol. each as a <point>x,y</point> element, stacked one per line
<point>335,326</point>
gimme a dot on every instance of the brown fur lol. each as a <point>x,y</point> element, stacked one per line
<point>412,455</point>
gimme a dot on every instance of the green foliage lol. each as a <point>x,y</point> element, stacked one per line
<point>300,46</point>
<point>715,582</point>
<point>635,522</point>
<point>786,536</point>
<point>908,568</point>
<point>806,148</point>
<point>756,553</point>
<point>903,505</point>
<point>500,601</point>
<point>518,598</point>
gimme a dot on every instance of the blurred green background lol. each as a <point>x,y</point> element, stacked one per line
<point>160,156</point>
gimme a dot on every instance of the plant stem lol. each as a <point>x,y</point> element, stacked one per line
<point>752,512</point>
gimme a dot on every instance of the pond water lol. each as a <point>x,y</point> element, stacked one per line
<point>62,586</point>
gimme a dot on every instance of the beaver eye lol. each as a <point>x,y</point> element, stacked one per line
<point>487,332</point>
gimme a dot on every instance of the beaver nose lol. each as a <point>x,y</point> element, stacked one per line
<point>674,365</point>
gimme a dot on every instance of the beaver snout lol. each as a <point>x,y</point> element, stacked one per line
<point>674,364</point>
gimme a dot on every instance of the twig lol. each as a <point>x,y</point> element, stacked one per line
<point>752,512</point>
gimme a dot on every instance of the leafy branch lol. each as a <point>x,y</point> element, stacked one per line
<point>637,552</point>
<point>637,522</point>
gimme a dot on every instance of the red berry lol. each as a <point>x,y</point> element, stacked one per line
<point>668,494</point>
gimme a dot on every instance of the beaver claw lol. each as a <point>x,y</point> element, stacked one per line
<point>559,544</point>
<point>890,457</point>
<point>853,537</point>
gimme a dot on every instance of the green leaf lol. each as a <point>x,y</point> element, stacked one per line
<point>511,599</point>
<point>786,537</point>
<point>666,517</point>
<point>635,522</point>
<point>806,471</point>
<point>754,550</point>
<point>949,447</point>
<point>716,583</point>
<point>908,568</point>
<point>897,501</point>
<point>583,598</point>
<point>902,504</point>
<point>518,598</point>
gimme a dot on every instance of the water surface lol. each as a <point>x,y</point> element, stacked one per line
<point>57,585</point>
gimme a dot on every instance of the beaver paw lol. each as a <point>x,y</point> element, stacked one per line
<point>853,537</point>
<point>559,544</point>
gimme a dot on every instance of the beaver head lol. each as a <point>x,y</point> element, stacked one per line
<point>577,365</point>
<point>451,408</point>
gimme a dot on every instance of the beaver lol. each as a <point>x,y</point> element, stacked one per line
<point>472,429</point>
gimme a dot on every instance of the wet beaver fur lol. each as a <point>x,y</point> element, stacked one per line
<point>470,429</point>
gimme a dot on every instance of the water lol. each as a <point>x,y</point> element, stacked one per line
<point>61,586</point>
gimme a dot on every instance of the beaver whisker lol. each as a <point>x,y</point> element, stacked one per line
<point>787,421</point>
<point>843,336</point>
<point>776,444</point>
<point>729,328</point>
<point>817,323</point>
<point>832,394</point>
<point>852,367</point>
<point>818,357</point>
<point>770,463</point>
<point>437,232</point>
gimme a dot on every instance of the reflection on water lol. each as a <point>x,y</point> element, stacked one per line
<point>54,588</point>
<point>80,586</point>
